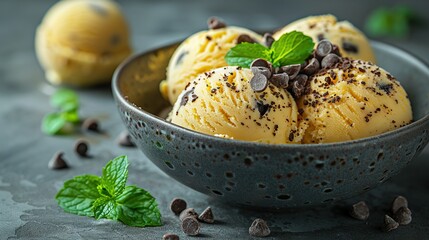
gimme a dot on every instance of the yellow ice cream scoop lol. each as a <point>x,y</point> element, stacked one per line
<point>356,100</point>
<point>200,53</point>
<point>221,102</point>
<point>350,40</point>
<point>81,42</point>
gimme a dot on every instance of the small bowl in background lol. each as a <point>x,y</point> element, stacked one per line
<point>263,175</point>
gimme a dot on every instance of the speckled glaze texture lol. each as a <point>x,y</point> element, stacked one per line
<point>262,175</point>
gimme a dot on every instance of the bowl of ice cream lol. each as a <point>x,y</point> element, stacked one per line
<point>263,172</point>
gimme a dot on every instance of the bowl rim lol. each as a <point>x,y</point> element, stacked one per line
<point>316,146</point>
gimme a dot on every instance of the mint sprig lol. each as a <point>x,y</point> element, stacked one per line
<point>291,48</point>
<point>391,22</point>
<point>67,104</point>
<point>109,197</point>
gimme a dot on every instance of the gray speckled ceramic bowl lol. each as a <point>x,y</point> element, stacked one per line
<point>262,175</point>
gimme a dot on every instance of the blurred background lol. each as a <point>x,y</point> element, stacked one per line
<point>157,22</point>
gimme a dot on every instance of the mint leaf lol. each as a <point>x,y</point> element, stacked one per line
<point>64,97</point>
<point>115,175</point>
<point>391,22</point>
<point>243,54</point>
<point>67,114</point>
<point>108,197</point>
<point>78,195</point>
<point>71,116</point>
<point>291,48</point>
<point>138,208</point>
<point>106,208</point>
<point>52,123</point>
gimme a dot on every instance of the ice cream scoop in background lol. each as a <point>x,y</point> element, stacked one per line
<point>80,43</point>
<point>353,101</point>
<point>351,41</point>
<point>221,102</point>
<point>199,53</point>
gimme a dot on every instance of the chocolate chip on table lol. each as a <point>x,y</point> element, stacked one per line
<point>206,216</point>
<point>170,236</point>
<point>259,82</point>
<point>360,211</point>
<point>280,80</point>
<point>403,216</point>
<point>398,203</point>
<point>190,226</point>
<point>389,223</point>
<point>58,162</point>
<point>259,228</point>
<point>245,38</point>
<point>177,205</point>
<point>312,67</point>
<point>323,48</point>
<point>330,60</point>
<point>188,212</point>
<point>81,147</point>
<point>292,70</point>
<point>268,39</point>
<point>262,70</point>
<point>124,139</point>
<point>215,23</point>
<point>90,124</point>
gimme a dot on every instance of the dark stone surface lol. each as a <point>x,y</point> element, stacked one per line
<point>27,187</point>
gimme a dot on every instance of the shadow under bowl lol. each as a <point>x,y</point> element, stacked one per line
<point>262,175</point>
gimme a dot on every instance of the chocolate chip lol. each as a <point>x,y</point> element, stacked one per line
<point>387,88</point>
<point>360,211</point>
<point>262,108</point>
<point>170,236</point>
<point>403,216</point>
<point>177,205</point>
<point>245,38</point>
<point>215,23</point>
<point>81,148</point>
<point>206,216</point>
<point>280,80</point>
<point>262,70</point>
<point>259,82</point>
<point>124,139</point>
<point>350,47</point>
<point>188,212</point>
<point>312,67</point>
<point>336,50</point>
<point>268,39</point>
<point>190,226</point>
<point>185,97</point>
<point>180,57</point>
<point>90,124</point>
<point>320,37</point>
<point>58,162</point>
<point>330,60</point>
<point>323,48</point>
<point>398,203</point>
<point>292,70</point>
<point>259,62</point>
<point>259,228</point>
<point>389,223</point>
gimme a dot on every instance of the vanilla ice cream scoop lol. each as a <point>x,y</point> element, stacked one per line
<point>354,100</point>
<point>81,42</point>
<point>351,42</point>
<point>221,102</point>
<point>200,53</point>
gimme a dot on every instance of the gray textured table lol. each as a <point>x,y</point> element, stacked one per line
<point>27,187</point>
